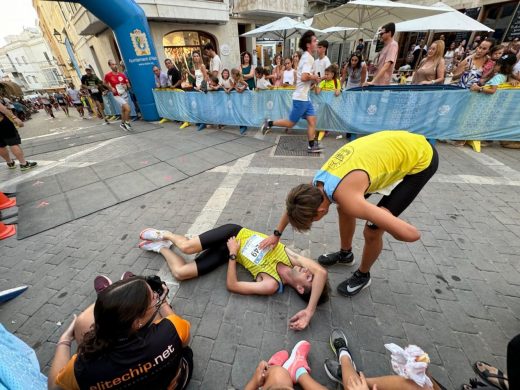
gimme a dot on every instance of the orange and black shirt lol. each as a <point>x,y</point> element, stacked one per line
<point>148,360</point>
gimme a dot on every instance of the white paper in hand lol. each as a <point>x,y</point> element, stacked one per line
<point>405,363</point>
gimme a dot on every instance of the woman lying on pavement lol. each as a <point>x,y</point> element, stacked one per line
<point>231,243</point>
<point>120,343</point>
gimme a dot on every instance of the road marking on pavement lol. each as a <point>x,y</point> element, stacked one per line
<point>494,164</point>
<point>69,130</point>
<point>209,215</point>
<point>437,178</point>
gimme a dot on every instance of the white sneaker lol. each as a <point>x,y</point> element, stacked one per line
<point>155,246</point>
<point>151,234</point>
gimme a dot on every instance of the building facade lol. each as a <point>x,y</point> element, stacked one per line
<point>27,60</point>
<point>178,28</point>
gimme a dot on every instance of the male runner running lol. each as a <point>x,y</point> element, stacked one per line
<point>301,104</point>
<point>94,85</point>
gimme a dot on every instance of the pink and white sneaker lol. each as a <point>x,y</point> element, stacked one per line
<point>151,234</point>
<point>298,359</point>
<point>279,358</point>
<point>101,282</point>
<point>155,246</point>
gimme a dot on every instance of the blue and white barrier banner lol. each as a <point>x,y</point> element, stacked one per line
<point>437,112</point>
<point>111,108</point>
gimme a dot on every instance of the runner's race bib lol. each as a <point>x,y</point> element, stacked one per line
<point>120,89</point>
<point>251,251</point>
<point>94,90</point>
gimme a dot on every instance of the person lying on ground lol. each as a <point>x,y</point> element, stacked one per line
<point>129,337</point>
<point>230,243</point>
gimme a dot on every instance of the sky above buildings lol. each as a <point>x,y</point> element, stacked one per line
<point>14,16</point>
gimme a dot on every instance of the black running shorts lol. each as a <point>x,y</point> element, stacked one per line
<point>406,191</point>
<point>214,247</point>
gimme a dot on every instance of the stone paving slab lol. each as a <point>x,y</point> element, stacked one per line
<point>124,178</point>
<point>97,133</point>
<point>455,292</point>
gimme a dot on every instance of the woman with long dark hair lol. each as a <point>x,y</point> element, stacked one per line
<point>248,70</point>
<point>129,338</point>
<point>356,71</point>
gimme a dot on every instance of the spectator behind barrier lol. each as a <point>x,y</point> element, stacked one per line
<point>432,68</point>
<point>161,78</point>
<point>470,69</point>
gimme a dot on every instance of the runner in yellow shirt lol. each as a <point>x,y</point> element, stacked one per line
<point>396,164</point>
<point>270,269</point>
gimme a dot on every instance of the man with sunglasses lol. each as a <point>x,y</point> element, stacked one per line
<point>387,56</point>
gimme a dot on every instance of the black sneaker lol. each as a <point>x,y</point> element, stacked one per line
<point>338,342</point>
<point>340,257</point>
<point>11,165</point>
<point>316,148</point>
<point>28,165</point>
<point>333,370</point>
<point>354,284</point>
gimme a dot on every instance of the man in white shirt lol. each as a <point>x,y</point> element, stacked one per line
<point>323,61</point>
<point>301,104</point>
<point>215,65</point>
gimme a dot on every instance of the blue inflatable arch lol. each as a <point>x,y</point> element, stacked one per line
<point>130,26</point>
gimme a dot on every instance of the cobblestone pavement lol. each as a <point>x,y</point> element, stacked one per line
<point>455,293</point>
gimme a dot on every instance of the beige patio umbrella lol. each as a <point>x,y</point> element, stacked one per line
<point>367,16</point>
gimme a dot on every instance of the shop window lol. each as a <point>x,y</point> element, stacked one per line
<point>498,17</point>
<point>179,45</point>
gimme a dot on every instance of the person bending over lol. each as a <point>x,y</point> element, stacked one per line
<point>121,345</point>
<point>271,270</point>
<point>395,163</point>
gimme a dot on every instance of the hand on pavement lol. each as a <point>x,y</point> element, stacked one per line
<point>300,320</point>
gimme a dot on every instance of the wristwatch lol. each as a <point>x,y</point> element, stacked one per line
<point>480,89</point>
<point>232,257</point>
<point>277,233</point>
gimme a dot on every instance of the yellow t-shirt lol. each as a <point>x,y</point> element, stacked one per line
<point>386,157</point>
<point>255,260</point>
<point>329,85</point>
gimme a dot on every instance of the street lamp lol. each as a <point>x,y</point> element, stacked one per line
<point>57,35</point>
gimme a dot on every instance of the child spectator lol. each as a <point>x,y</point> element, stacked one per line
<point>331,81</point>
<point>226,81</point>
<point>214,84</point>
<point>261,81</point>
<point>488,70</point>
<point>503,71</point>
<point>289,74</point>
<point>239,83</point>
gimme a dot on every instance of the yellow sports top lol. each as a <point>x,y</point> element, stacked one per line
<point>255,260</point>
<point>386,157</point>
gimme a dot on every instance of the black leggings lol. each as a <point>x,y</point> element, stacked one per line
<point>214,247</point>
<point>406,191</point>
